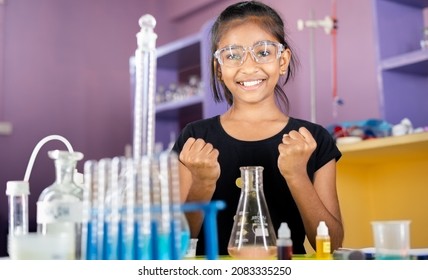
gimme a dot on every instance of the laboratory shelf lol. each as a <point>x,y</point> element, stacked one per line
<point>415,62</point>
<point>377,150</point>
<point>180,54</point>
<point>174,105</point>
<point>415,3</point>
<point>402,63</point>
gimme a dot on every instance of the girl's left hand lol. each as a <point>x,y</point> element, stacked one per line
<point>294,153</point>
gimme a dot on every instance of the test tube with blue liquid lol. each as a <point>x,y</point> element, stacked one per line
<point>143,211</point>
<point>112,211</point>
<point>90,214</point>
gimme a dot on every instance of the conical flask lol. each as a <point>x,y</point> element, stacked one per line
<point>253,236</point>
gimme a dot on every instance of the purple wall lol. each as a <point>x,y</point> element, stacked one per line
<point>65,71</point>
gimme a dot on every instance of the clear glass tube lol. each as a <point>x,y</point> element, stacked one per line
<point>145,87</point>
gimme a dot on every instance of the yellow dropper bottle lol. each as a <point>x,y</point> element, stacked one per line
<point>323,246</point>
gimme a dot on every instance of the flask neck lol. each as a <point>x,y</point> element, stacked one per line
<point>252,177</point>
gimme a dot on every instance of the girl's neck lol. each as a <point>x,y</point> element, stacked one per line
<point>255,113</point>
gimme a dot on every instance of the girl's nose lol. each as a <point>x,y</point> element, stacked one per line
<point>249,58</point>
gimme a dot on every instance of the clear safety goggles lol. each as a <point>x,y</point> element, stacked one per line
<point>262,52</point>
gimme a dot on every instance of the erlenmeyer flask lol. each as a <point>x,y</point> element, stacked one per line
<point>253,236</point>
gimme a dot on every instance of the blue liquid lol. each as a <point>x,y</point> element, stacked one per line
<point>185,242</point>
<point>126,243</point>
<point>391,257</point>
<point>144,247</point>
<point>161,244</point>
<point>118,244</point>
<point>111,243</point>
<point>163,247</point>
<point>91,243</point>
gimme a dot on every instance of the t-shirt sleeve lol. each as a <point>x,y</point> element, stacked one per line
<point>326,148</point>
<point>185,133</point>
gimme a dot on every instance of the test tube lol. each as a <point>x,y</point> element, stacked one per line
<point>170,222</point>
<point>112,215</point>
<point>86,208</point>
<point>143,210</point>
<point>161,219</point>
<point>180,233</point>
<point>127,219</point>
<point>103,179</point>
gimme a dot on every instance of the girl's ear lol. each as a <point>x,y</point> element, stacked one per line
<point>284,61</point>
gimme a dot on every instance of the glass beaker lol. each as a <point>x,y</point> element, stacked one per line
<point>59,208</point>
<point>391,239</point>
<point>253,236</point>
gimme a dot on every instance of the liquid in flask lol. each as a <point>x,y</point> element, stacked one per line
<point>252,236</point>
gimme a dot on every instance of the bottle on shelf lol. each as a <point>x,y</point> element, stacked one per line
<point>424,40</point>
<point>284,244</point>
<point>323,245</point>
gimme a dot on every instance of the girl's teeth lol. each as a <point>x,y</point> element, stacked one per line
<point>251,83</point>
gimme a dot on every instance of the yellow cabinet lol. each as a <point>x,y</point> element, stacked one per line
<point>384,179</point>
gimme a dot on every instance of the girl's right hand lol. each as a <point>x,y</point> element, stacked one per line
<point>201,160</point>
<point>294,153</point>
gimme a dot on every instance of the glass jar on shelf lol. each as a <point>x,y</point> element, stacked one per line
<point>424,40</point>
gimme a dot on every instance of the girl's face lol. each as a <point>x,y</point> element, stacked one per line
<point>251,82</point>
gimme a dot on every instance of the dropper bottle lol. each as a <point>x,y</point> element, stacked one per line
<point>323,245</point>
<point>284,244</point>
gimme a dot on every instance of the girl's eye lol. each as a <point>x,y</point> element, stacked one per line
<point>263,53</point>
<point>233,56</point>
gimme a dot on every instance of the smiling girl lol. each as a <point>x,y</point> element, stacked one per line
<point>251,60</point>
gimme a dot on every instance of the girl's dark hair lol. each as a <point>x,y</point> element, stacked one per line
<point>271,21</point>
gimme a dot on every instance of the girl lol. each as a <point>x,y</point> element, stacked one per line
<point>251,56</point>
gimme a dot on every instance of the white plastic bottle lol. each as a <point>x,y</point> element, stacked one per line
<point>284,244</point>
<point>323,245</point>
<point>17,192</point>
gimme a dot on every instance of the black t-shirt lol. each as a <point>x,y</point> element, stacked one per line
<point>235,153</point>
